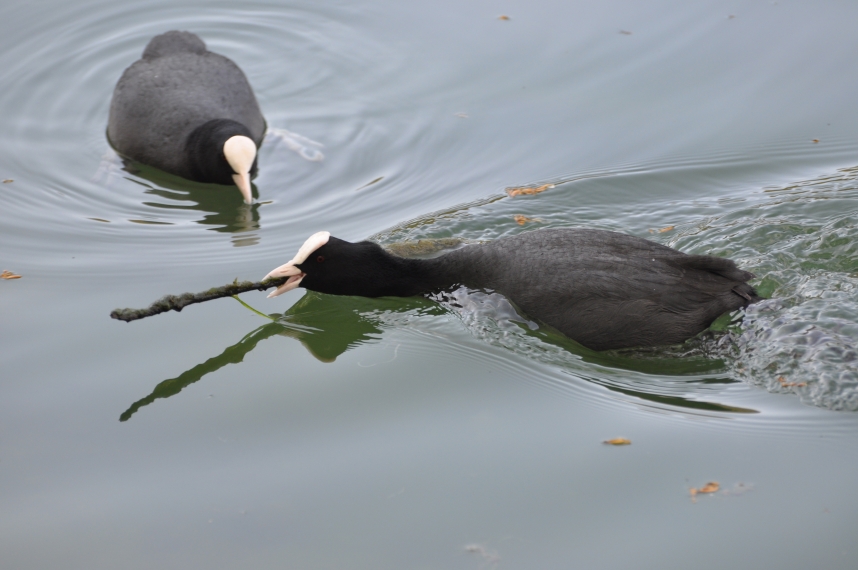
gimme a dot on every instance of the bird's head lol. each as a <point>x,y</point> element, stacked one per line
<point>221,151</point>
<point>330,265</point>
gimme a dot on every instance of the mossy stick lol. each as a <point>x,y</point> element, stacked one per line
<point>179,302</point>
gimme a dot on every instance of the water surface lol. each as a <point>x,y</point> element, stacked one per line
<point>419,433</point>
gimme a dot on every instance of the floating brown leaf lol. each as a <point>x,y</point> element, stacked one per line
<point>662,230</point>
<point>786,384</point>
<point>8,180</point>
<point>815,141</point>
<point>618,441</point>
<point>710,487</point>
<point>503,17</point>
<point>527,190</point>
<point>9,275</point>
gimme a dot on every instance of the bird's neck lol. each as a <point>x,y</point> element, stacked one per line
<point>204,150</point>
<point>408,276</point>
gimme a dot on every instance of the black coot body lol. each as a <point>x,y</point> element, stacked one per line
<point>176,106</point>
<point>603,289</point>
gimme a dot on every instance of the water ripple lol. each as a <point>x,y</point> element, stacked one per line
<point>799,238</point>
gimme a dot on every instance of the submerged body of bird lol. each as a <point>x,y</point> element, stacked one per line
<point>603,289</point>
<point>189,112</point>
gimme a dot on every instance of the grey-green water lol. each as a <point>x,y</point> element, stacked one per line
<point>409,433</point>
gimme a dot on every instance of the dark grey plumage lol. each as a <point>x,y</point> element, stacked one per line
<point>605,290</point>
<point>176,87</point>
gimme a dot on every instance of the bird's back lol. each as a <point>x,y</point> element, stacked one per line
<point>175,87</point>
<point>608,290</point>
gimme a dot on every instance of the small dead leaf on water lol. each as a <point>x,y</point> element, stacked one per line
<point>9,275</point>
<point>710,487</point>
<point>522,219</point>
<point>503,17</point>
<point>786,384</point>
<point>527,190</point>
<point>618,441</point>
<point>814,141</point>
<point>662,230</point>
<point>8,180</point>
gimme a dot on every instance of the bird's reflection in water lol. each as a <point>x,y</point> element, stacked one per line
<point>684,371</point>
<point>222,206</point>
<point>328,325</point>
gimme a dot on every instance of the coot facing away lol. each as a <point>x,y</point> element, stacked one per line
<point>189,112</point>
<point>603,289</point>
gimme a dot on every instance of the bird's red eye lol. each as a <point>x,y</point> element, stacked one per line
<point>320,259</point>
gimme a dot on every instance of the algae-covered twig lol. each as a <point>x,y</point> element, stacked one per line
<point>179,302</point>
